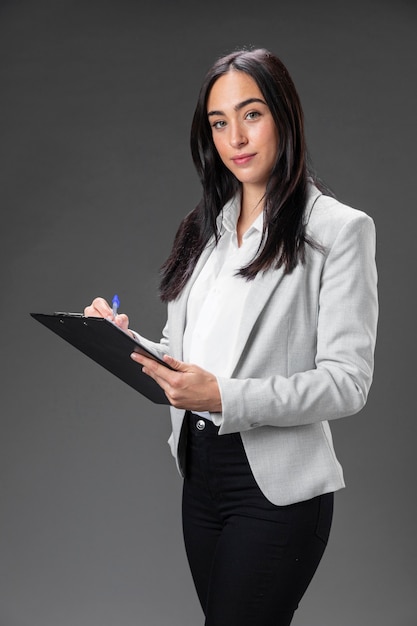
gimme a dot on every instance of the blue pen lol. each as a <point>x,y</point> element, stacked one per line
<point>116,303</point>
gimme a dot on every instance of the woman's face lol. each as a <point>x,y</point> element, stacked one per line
<point>243,129</point>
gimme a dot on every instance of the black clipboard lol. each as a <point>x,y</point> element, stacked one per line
<point>107,345</point>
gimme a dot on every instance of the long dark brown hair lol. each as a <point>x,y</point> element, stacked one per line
<point>284,237</point>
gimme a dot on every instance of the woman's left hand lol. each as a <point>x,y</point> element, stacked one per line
<point>186,386</point>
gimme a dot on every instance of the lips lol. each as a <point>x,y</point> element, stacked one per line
<point>242,159</point>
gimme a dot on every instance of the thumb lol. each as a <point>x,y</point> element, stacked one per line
<point>179,366</point>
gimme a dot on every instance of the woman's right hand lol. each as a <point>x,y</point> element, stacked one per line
<point>101,308</point>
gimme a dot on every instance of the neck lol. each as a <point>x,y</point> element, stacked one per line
<point>252,203</point>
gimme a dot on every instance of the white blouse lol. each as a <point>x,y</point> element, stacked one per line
<point>218,298</point>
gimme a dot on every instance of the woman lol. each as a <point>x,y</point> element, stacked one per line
<point>272,309</point>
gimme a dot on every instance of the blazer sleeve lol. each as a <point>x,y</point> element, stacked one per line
<point>346,332</point>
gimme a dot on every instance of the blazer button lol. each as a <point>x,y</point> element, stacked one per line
<point>201,424</point>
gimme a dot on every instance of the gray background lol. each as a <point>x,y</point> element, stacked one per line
<point>96,104</point>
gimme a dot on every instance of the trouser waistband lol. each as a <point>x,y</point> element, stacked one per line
<point>201,426</point>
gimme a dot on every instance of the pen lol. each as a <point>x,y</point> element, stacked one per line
<point>116,304</point>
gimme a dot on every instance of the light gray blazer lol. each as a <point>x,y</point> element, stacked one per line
<point>305,355</point>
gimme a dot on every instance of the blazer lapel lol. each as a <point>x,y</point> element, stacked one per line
<point>261,289</point>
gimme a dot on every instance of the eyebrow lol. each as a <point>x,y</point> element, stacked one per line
<point>239,106</point>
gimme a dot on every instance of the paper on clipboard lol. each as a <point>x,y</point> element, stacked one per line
<point>107,345</point>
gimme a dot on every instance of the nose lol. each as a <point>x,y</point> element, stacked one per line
<point>237,136</point>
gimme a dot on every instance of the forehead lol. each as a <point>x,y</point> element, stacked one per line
<point>231,89</point>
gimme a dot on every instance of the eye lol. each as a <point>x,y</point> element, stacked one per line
<point>253,115</point>
<point>219,124</point>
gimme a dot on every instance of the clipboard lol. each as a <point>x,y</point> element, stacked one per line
<point>107,345</point>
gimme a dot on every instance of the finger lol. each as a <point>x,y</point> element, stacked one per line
<point>161,374</point>
<point>98,308</point>
<point>122,321</point>
<point>146,362</point>
<point>102,306</point>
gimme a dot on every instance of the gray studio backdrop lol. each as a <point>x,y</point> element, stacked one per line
<point>96,104</point>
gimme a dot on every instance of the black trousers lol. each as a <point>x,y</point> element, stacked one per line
<point>251,560</point>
